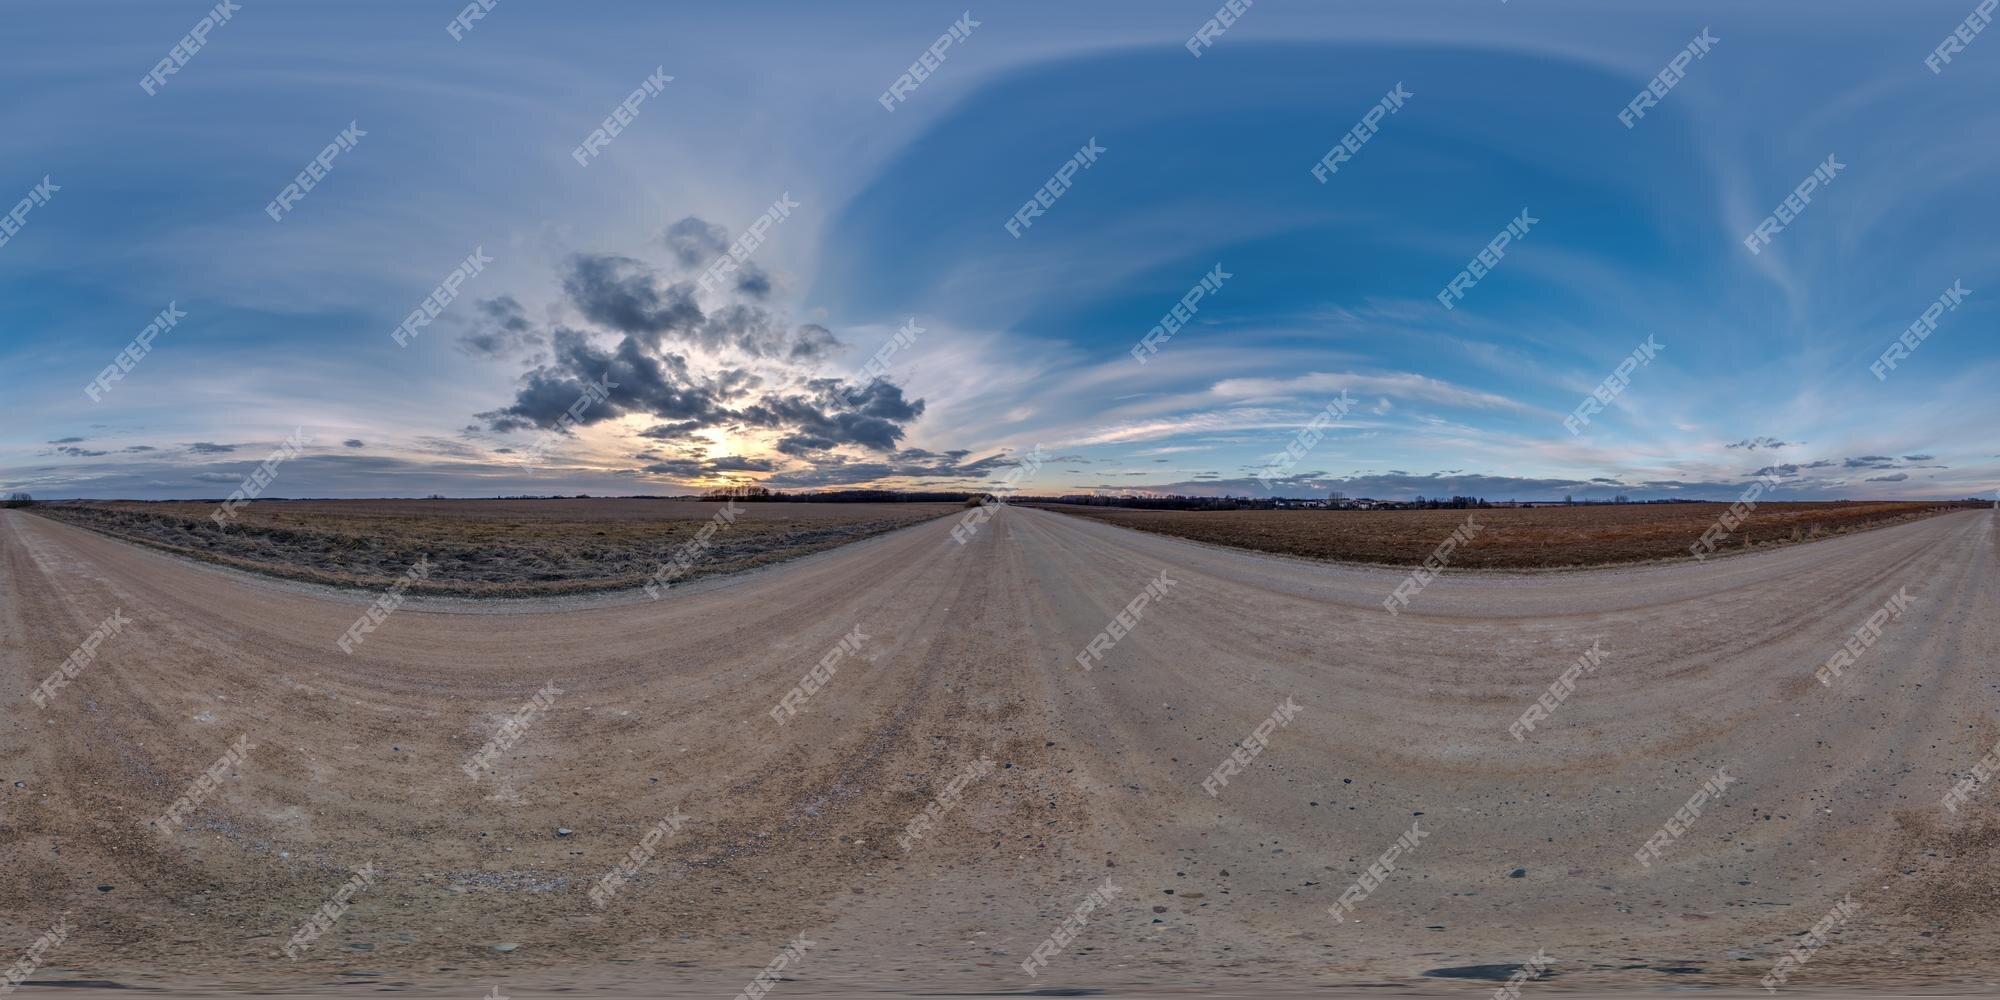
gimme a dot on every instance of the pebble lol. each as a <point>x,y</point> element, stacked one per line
<point>505,948</point>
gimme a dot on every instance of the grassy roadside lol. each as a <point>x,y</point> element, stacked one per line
<point>1513,538</point>
<point>489,548</point>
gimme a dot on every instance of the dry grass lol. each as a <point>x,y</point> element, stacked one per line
<point>488,547</point>
<point>1512,538</point>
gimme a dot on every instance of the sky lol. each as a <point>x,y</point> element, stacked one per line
<point>907,313</point>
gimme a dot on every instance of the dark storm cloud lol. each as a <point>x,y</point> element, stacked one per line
<point>354,443</point>
<point>831,413</point>
<point>500,327</point>
<point>1752,444</point>
<point>696,243</point>
<point>836,472</point>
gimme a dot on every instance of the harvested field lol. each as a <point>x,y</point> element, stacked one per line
<point>490,548</point>
<point>1512,537</point>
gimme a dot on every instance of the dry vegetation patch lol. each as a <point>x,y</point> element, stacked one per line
<point>1511,537</point>
<point>488,547</point>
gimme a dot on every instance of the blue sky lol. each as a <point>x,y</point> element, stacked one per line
<point>1016,343</point>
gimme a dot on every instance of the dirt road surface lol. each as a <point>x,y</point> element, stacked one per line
<point>792,829</point>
